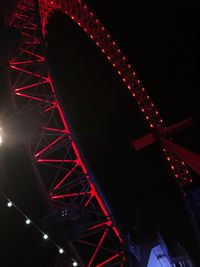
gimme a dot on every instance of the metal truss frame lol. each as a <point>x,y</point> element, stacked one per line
<point>54,152</point>
<point>78,11</point>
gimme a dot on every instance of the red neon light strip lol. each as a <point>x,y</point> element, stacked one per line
<point>32,43</point>
<point>108,223</point>
<point>34,98</point>
<point>28,72</point>
<point>108,260</point>
<point>57,160</point>
<point>32,54</point>
<point>35,41</point>
<point>29,86</point>
<point>47,147</point>
<point>88,201</point>
<point>53,105</point>
<point>70,195</point>
<point>65,177</point>
<point>26,62</point>
<point>94,245</point>
<point>117,233</point>
<point>54,130</point>
<point>97,249</point>
<point>30,28</point>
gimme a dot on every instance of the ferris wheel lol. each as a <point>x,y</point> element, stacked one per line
<point>92,235</point>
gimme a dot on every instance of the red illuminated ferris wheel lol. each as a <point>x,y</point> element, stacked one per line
<point>71,187</point>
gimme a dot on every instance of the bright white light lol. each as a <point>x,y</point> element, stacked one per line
<point>61,251</point>
<point>75,263</point>
<point>45,236</point>
<point>28,221</point>
<point>1,137</point>
<point>9,204</point>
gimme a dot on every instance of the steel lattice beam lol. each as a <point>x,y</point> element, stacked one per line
<point>55,149</point>
<point>54,152</point>
<point>86,19</point>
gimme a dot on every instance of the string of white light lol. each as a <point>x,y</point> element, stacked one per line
<point>11,204</point>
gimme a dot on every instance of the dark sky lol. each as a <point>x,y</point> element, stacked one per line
<point>161,41</point>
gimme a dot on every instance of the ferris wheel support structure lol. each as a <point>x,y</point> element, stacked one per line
<point>55,150</point>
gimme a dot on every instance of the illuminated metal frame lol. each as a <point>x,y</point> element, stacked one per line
<point>78,11</point>
<point>54,150</point>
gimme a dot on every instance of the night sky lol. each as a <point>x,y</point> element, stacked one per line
<point>161,41</point>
